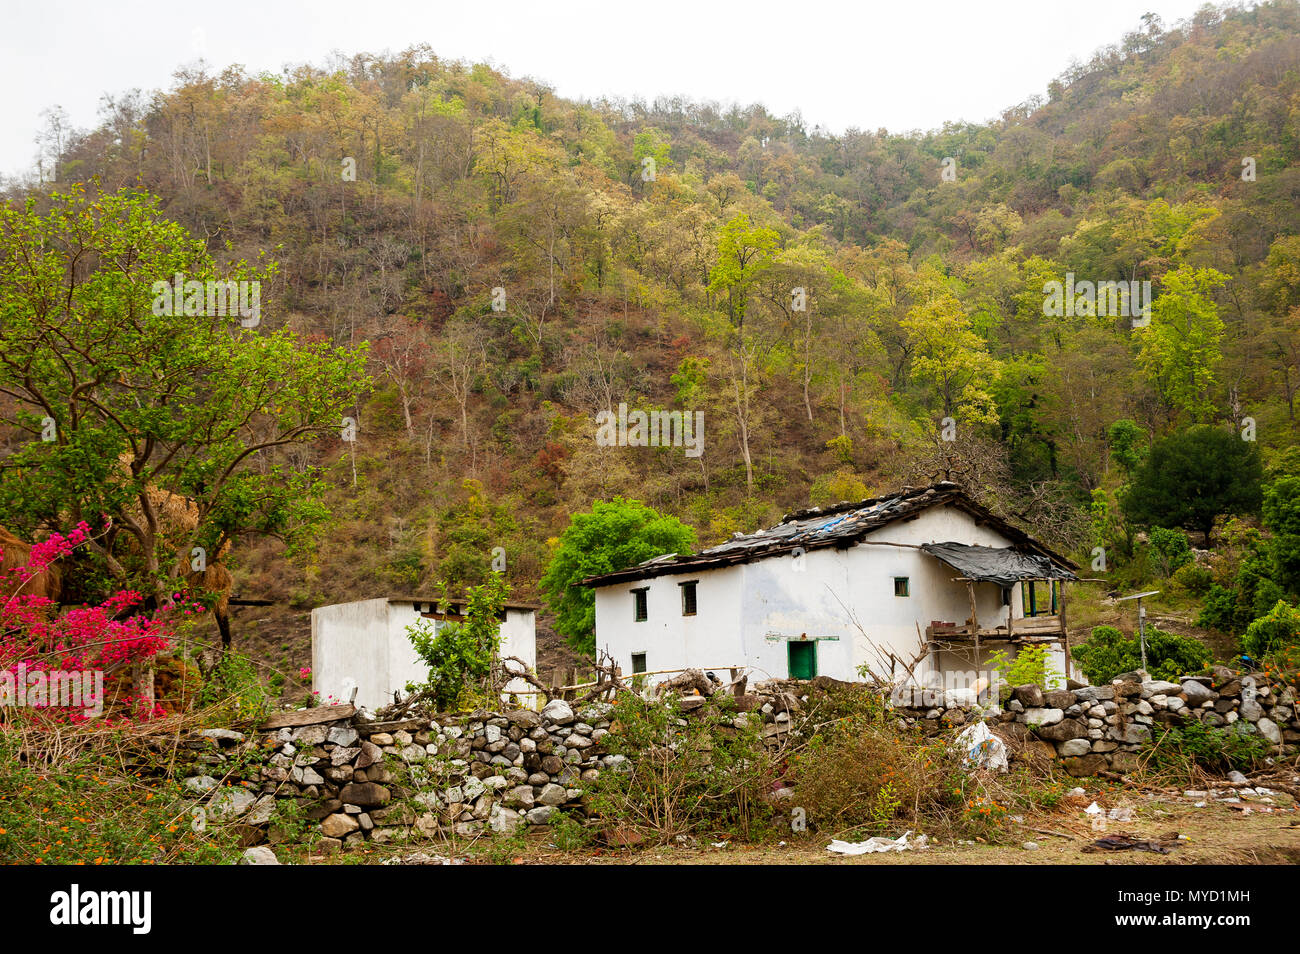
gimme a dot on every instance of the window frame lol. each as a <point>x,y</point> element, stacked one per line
<point>907,587</point>
<point>693,587</point>
<point>641,604</point>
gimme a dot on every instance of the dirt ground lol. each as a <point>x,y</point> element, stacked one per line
<point>1215,834</point>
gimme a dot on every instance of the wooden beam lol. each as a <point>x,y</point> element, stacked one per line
<point>300,717</point>
<point>1065,630</point>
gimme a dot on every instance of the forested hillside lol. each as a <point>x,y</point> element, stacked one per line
<point>519,262</point>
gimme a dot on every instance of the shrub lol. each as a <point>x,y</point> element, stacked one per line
<point>1108,652</point>
<point>1169,550</point>
<point>461,655</point>
<point>1179,748</point>
<point>1033,664</point>
<point>233,691</point>
<point>703,775</point>
<point>1276,632</point>
<point>1194,578</point>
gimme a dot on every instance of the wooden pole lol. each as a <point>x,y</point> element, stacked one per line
<point>974,621</point>
<point>1065,631</point>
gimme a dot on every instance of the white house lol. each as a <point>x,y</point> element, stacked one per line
<point>363,645</point>
<point>926,574</point>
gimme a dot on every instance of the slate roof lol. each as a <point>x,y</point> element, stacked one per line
<point>841,525</point>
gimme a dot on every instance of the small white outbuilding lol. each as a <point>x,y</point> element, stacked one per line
<point>364,645</point>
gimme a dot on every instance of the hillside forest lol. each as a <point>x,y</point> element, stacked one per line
<point>460,270</point>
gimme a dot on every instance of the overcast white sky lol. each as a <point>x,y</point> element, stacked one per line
<point>900,65</point>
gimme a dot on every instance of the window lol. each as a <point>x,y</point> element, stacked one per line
<point>901,587</point>
<point>803,659</point>
<point>1006,596</point>
<point>688,597</point>
<point>640,609</point>
<point>638,663</point>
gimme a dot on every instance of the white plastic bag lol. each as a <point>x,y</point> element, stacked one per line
<point>873,845</point>
<point>982,747</point>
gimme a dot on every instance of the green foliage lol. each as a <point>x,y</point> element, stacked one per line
<point>461,655</point>
<point>1169,549</point>
<point>1220,750</point>
<point>840,485</point>
<point>1125,439</point>
<point>1281,517</point>
<point>612,536</point>
<point>1031,665</point>
<point>699,775</point>
<point>143,397</point>
<point>1276,632</point>
<point>1194,578</point>
<point>234,692</point>
<point>1193,477</point>
<point>1108,652</point>
<point>82,808</point>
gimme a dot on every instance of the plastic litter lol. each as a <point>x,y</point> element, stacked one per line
<point>875,845</point>
<point>983,748</point>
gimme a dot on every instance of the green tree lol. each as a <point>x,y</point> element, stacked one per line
<point>462,654</point>
<point>951,358</point>
<point>1281,513</point>
<point>614,535</point>
<point>1108,652</point>
<point>1193,477</point>
<point>1181,348</point>
<point>139,396</point>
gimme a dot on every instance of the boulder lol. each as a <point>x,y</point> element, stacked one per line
<point>1062,731</point>
<point>1074,747</point>
<point>1085,765</point>
<point>1043,717</point>
<point>1059,699</point>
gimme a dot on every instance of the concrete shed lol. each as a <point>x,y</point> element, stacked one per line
<point>363,645</point>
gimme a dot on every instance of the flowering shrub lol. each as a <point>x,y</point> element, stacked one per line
<point>37,642</point>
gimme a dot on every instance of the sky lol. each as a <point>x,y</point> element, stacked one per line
<point>851,63</point>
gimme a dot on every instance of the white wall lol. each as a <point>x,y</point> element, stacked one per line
<point>365,644</point>
<point>748,613</point>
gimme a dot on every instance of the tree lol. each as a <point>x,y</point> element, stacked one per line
<point>1193,477</point>
<point>1181,348</point>
<point>1281,516</point>
<point>1108,652</point>
<point>614,535</point>
<point>949,356</point>
<point>139,402</point>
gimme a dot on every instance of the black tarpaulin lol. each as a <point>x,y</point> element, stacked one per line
<point>1004,565</point>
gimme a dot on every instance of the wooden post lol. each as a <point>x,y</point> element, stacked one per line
<point>974,620</point>
<point>1065,631</point>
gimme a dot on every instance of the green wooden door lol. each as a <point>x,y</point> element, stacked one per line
<point>803,660</point>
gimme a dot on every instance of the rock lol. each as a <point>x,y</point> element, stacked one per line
<point>1075,747</point>
<point>261,855</point>
<point>1043,717</point>
<point>342,735</point>
<point>558,711</point>
<point>260,813</point>
<point>309,735</point>
<point>521,796</point>
<point>1236,778</point>
<point>553,795</point>
<point>504,819</point>
<point>1251,710</point>
<point>1124,761</point>
<point>381,738</point>
<point>540,816</point>
<point>1197,693</point>
<point>1030,696</point>
<point>365,794</point>
<point>339,826</point>
<point>1159,688</point>
<point>1094,694</point>
<point>1030,846</point>
<point>1269,730</point>
<point>369,755</point>
<point>1230,688</point>
<point>199,784</point>
<point>1062,731</point>
<point>342,756</point>
<point>524,717</point>
<point>413,753</point>
<point>1059,699</point>
<point>230,803</point>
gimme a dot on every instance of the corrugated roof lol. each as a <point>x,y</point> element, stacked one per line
<point>840,525</point>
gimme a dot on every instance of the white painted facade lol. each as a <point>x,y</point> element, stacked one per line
<point>748,613</point>
<point>364,645</point>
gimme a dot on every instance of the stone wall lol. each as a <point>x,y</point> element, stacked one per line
<point>464,774</point>
<point>384,781</point>
<point>1101,728</point>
